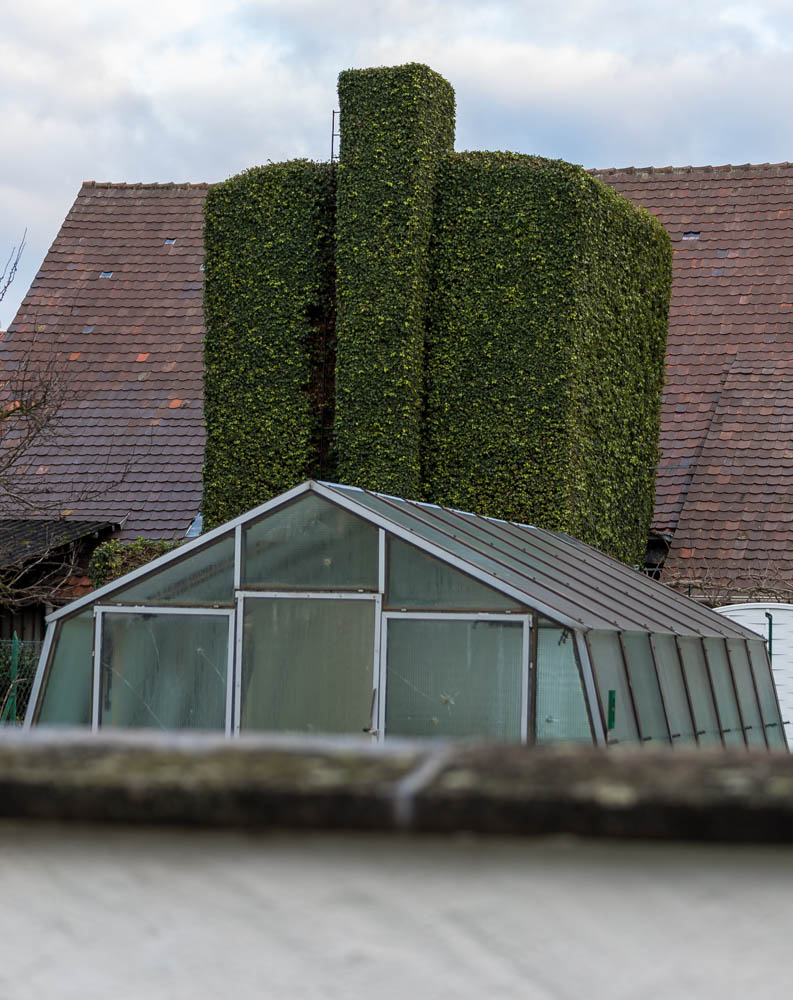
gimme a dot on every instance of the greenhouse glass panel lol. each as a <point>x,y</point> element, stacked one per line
<point>607,662</point>
<point>454,679</point>
<point>644,684</point>
<point>747,696</point>
<point>699,689</point>
<point>560,712</point>
<point>202,577</point>
<point>416,580</point>
<point>673,689</point>
<point>725,692</point>
<point>66,699</point>
<point>311,544</point>
<point>774,730</point>
<point>164,671</point>
<point>307,664</point>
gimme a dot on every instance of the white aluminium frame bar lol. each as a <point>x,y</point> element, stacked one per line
<point>462,616</point>
<point>100,610</point>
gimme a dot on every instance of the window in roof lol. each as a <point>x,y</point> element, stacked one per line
<point>560,712</point>
<point>196,526</point>
<point>416,580</point>
<point>454,679</point>
<point>106,274</point>
<point>691,236</point>
<point>311,544</point>
<point>170,241</point>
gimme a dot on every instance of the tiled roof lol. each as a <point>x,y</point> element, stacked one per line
<point>119,300</point>
<point>726,471</point>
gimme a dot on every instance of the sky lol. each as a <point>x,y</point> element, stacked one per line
<point>197,91</point>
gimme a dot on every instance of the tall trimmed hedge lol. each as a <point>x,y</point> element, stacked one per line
<point>395,125</point>
<point>269,348</point>
<point>545,349</point>
<point>497,326</point>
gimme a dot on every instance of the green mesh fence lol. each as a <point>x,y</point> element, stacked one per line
<point>16,684</point>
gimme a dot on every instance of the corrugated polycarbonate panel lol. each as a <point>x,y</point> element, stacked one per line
<point>724,688</point>
<point>645,687</point>
<point>558,572</point>
<point>608,664</point>
<point>747,693</point>
<point>673,688</point>
<point>774,731</point>
<point>692,655</point>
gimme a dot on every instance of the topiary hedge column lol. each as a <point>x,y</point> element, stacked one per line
<point>268,306</point>
<point>396,124</point>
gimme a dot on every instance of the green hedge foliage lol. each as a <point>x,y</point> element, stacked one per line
<point>269,348</point>
<point>545,349</point>
<point>114,558</point>
<point>395,125</point>
<point>501,325</point>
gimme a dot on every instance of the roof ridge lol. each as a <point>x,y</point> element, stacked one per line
<point>705,168</point>
<point>167,185</point>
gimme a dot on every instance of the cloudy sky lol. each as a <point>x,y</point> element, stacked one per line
<point>195,91</point>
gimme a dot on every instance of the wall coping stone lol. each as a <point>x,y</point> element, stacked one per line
<point>274,781</point>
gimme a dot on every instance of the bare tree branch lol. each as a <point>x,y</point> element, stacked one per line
<point>9,271</point>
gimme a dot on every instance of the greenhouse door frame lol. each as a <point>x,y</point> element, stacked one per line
<point>303,595</point>
<point>469,616</point>
<point>100,610</point>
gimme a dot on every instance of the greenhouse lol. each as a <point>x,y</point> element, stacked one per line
<point>332,609</point>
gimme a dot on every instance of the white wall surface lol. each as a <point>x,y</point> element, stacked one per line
<point>753,616</point>
<point>113,912</point>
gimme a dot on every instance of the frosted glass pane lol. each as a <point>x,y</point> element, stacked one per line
<point>311,544</point>
<point>725,692</point>
<point>560,711</point>
<point>164,671</point>
<point>205,577</point>
<point>66,699</point>
<point>747,696</point>
<point>673,689</point>
<point>307,664</point>
<point>454,679</point>
<point>607,662</point>
<point>418,581</point>
<point>765,689</point>
<point>707,722</point>
<point>644,684</point>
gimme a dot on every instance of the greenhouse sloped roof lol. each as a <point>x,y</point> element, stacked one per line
<point>549,569</point>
